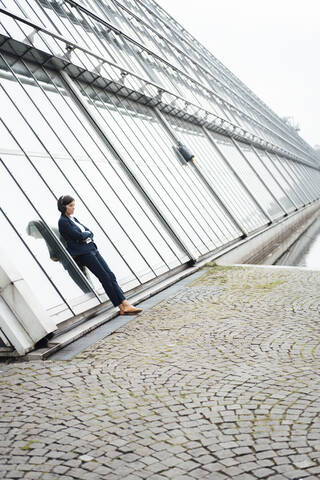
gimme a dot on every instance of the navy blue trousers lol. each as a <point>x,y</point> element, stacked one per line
<point>98,266</point>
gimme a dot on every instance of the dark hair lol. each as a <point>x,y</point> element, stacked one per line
<point>63,201</point>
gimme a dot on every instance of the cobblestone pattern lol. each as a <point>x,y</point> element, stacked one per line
<point>218,382</point>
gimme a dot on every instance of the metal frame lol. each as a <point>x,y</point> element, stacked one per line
<point>260,178</point>
<point>283,177</point>
<point>180,184</point>
<point>274,178</point>
<point>168,41</point>
<point>123,105</point>
<point>90,183</point>
<point>229,126</point>
<point>203,179</point>
<point>238,177</point>
<point>292,174</point>
<point>57,164</point>
<point>214,94</point>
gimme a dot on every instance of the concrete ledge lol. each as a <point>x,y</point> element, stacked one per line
<point>269,244</point>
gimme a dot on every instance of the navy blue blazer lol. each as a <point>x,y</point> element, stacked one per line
<point>75,237</point>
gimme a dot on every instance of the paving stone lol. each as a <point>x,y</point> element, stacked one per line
<point>33,475</point>
<point>246,476</point>
<point>14,474</point>
<point>263,472</point>
<point>218,381</point>
<point>60,469</point>
<point>172,461</point>
<point>278,477</point>
<point>215,476</point>
<point>49,476</point>
<point>232,471</point>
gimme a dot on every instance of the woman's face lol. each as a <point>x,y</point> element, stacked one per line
<point>70,208</point>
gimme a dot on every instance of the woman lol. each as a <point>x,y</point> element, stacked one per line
<point>80,245</point>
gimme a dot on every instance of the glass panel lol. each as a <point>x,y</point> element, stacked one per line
<point>53,175</point>
<point>45,165</point>
<point>12,27</point>
<point>259,160</point>
<point>244,172</point>
<point>251,212</point>
<point>218,174</point>
<point>210,211</point>
<point>51,101</point>
<point>37,280</point>
<point>311,179</point>
<point>277,175</point>
<point>147,251</point>
<point>155,241</point>
<point>251,178</point>
<point>127,234</point>
<point>100,209</point>
<point>33,186</point>
<point>143,133</point>
<point>288,181</point>
<point>292,169</point>
<point>42,241</point>
<point>149,162</point>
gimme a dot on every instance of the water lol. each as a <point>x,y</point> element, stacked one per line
<point>305,252</point>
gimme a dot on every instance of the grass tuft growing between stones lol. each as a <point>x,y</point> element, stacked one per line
<point>28,445</point>
<point>213,273</point>
<point>269,286</point>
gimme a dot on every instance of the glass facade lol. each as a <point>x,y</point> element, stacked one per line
<point>95,96</point>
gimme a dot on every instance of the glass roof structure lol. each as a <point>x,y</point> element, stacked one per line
<point>95,97</point>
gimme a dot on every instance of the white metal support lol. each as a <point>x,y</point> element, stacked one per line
<point>22,319</point>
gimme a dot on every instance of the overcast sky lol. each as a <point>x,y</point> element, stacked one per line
<point>273,46</point>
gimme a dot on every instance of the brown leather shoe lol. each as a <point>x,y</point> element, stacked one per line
<point>130,310</point>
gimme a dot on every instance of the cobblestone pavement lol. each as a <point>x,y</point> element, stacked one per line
<point>220,381</point>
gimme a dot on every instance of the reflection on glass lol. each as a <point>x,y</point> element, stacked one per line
<point>39,230</point>
<point>21,213</point>
<point>30,270</point>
